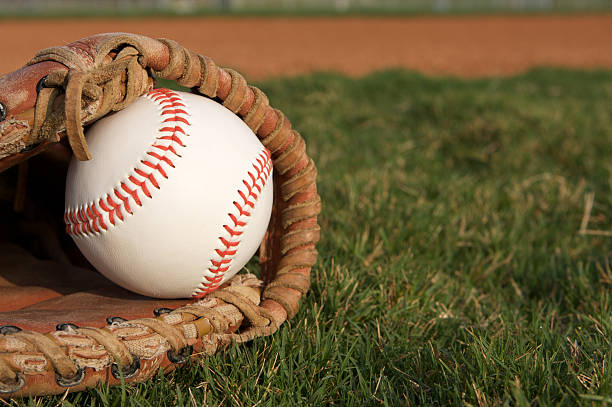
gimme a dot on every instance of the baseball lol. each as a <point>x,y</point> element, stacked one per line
<point>176,198</point>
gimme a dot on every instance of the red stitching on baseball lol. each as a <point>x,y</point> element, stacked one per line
<point>72,217</point>
<point>220,262</point>
<point>88,219</point>
<point>219,270</point>
<point>235,220</point>
<point>141,184</point>
<point>173,130</point>
<point>149,176</point>
<point>99,217</point>
<point>90,214</point>
<point>245,199</point>
<point>231,231</point>
<point>161,158</point>
<point>177,119</point>
<point>166,148</point>
<point>156,167</point>
<point>133,193</point>
<point>125,200</point>
<point>116,207</point>
<point>228,243</point>
<point>239,221</point>
<point>240,210</point>
<point>173,111</point>
<point>172,138</point>
<point>223,253</point>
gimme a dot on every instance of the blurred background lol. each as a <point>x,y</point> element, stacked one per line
<point>62,7</point>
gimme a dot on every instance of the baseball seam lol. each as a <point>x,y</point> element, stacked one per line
<point>222,258</point>
<point>89,218</point>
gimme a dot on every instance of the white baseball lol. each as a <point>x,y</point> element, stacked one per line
<point>176,198</point>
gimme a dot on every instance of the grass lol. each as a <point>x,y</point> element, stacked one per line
<point>458,265</point>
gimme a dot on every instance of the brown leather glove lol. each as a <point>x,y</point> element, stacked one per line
<point>63,325</point>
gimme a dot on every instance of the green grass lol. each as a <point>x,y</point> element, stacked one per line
<point>452,269</point>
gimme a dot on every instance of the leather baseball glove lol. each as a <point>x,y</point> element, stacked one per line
<point>64,326</point>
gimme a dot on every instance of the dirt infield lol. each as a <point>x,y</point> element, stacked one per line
<point>262,47</point>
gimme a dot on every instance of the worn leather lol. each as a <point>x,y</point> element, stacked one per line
<point>44,281</point>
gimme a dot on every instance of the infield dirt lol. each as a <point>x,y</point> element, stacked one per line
<point>468,46</point>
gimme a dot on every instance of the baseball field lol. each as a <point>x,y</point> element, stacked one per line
<point>464,169</point>
<point>266,47</point>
